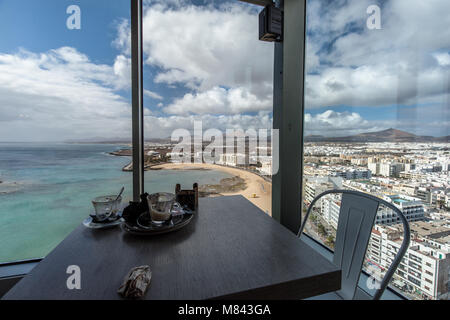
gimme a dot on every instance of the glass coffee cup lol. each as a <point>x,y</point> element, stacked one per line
<point>160,207</point>
<point>106,207</point>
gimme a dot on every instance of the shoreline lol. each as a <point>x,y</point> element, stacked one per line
<point>255,185</point>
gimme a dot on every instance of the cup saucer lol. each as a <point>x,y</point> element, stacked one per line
<point>117,216</point>
<point>92,223</point>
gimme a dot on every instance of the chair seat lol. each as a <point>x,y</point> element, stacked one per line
<point>326,296</point>
<point>359,295</point>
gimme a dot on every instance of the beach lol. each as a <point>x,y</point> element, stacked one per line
<point>255,185</point>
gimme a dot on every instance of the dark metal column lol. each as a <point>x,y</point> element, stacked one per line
<point>288,116</point>
<point>137,98</point>
<point>277,117</point>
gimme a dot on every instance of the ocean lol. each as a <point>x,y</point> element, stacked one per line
<point>46,191</point>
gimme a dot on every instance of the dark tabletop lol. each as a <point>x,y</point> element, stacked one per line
<point>231,249</point>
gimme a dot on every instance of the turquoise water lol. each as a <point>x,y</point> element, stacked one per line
<point>47,189</point>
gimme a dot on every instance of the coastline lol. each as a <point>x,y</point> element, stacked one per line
<point>254,183</point>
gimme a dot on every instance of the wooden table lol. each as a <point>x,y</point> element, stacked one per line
<point>231,250</point>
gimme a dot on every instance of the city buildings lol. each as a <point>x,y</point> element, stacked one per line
<point>351,173</point>
<point>424,271</point>
<point>412,176</point>
<point>266,166</point>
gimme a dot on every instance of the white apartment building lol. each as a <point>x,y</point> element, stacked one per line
<point>351,174</point>
<point>434,196</point>
<point>432,168</point>
<point>412,209</point>
<point>440,215</point>
<point>425,267</point>
<point>374,167</point>
<point>405,188</point>
<point>233,159</point>
<point>391,169</point>
<point>313,189</point>
<point>179,156</point>
<point>330,207</point>
<point>359,161</point>
<point>316,185</point>
<point>410,167</point>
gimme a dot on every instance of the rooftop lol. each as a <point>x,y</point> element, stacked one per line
<point>434,230</point>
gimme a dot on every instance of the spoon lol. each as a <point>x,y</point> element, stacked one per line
<point>120,193</point>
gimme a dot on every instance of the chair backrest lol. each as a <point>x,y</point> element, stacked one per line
<point>356,218</point>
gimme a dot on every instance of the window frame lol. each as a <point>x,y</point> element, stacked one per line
<point>284,98</point>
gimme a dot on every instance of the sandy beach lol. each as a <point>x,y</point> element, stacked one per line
<point>255,184</point>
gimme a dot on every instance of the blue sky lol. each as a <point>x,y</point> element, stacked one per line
<point>41,25</point>
<point>204,62</point>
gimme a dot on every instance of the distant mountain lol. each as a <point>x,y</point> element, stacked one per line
<point>443,139</point>
<point>115,140</point>
<point>99,140</point>
<point>315,138</point>
<point>389,135</point>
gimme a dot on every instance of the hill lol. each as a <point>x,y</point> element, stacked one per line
<point>389,135</point>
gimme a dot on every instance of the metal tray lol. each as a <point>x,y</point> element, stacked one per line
<point>144,227</point>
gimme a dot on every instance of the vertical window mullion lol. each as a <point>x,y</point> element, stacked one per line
<point>289,115</point>
<point>137,98</point>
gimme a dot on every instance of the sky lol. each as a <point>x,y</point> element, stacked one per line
<point>203,62</point>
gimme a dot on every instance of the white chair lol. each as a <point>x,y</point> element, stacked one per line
<point>356,218</point>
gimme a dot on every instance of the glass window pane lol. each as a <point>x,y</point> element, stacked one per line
<point>64,107</point>
<point>206,73</point>
<point>377,121</point>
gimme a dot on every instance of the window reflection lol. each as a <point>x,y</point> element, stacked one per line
<point>376,121</point>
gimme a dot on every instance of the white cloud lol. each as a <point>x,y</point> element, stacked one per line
<point>59,95</point>
<point>374,85</point>
<point>443,59</point>
<point>163,127</point>
<point>220,101</point>
<point>206,48</point>
<point>122,69</point>
<point>123,38</point>
<point>153,95</point>
<point>402,63</point>
<point>328,123</point>
<point>216,47</point>
<point>215,53</point>
<point>331,123</point>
